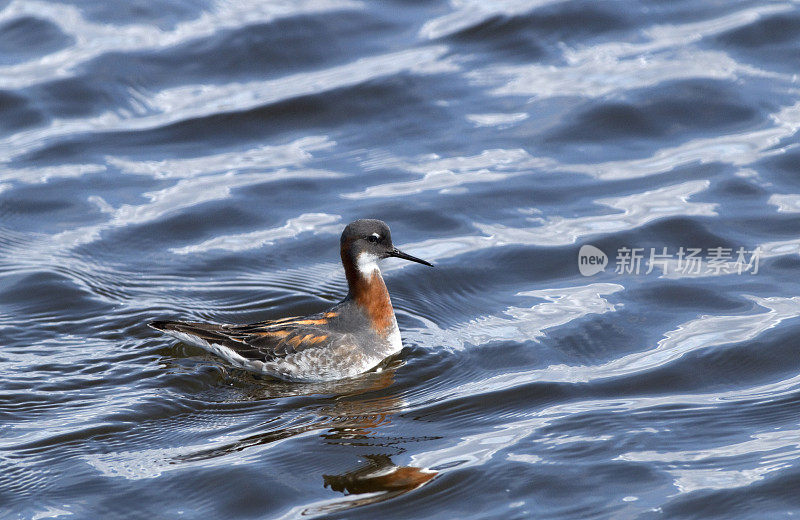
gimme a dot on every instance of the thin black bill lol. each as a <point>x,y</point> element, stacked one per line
<point>399,254</point>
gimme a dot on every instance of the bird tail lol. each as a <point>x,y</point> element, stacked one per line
<point>163,326</point>
<point>196,333</point>
<point>209,337</point>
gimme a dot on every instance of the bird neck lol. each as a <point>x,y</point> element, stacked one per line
<point>369,292</point>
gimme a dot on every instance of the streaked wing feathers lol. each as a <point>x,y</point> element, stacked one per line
<point>263,341</point>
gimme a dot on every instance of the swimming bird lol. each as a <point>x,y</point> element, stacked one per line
<point>352,337</point>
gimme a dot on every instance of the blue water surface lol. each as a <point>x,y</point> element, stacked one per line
<point>198,160</point>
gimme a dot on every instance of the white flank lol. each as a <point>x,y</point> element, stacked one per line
<point>394,338</point>
<point>222,351</point>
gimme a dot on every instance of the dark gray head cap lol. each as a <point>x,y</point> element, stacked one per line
<point>371,236</point>
<point>365,228</point>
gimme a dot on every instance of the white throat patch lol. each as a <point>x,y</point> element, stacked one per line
<point>367,263</point>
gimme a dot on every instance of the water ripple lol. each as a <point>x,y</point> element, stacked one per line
<point>198,161</point>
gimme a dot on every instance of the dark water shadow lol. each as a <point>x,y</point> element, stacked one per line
<point>349,413</point>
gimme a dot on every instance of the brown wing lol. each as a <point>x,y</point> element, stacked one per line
<point>263,341</point>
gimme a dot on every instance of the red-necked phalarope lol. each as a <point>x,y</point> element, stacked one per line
<point>346,340</point>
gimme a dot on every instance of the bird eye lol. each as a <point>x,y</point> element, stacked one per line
<point>373,238</point>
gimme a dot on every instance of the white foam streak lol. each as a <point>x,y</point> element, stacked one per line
<point>199,180</point>
<point>766,250</point>
<point>467,13</point>
<point>670,36</point>
<point>96,39</point>
<point>202,100</point>
<point>480,448</point>
<point>632,211</point>
<point>704,332</point>
<point>152,463</point>
<point>259,158</point>
<point>780,248</point>
<point>318,223</point>
<point>186,193</point>
<point>43,174</point>
<point>497,119</point>
<point>610,68</point>
<point>563,305</point>
<point>786,202</point>
<point>442,173</point>
<point>764,453</point>
<point>607,75</point>
<point>736,149</point>
<point>177,104</point>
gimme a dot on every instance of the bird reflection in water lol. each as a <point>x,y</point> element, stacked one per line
<point>379,477</point>
<point>351,415</point>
